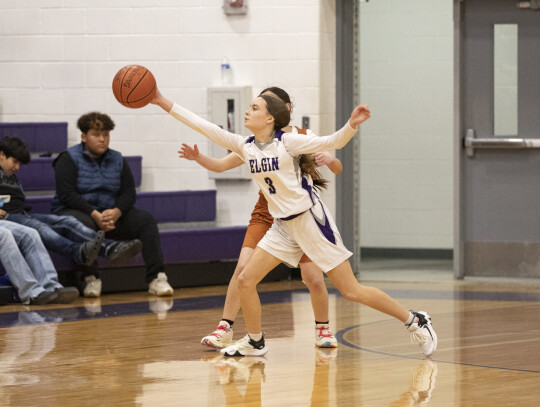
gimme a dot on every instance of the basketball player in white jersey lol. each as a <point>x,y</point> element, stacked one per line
<point>302,224</point>
<point>260,222</point>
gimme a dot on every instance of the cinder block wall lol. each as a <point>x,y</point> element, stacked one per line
<point>58,59</point>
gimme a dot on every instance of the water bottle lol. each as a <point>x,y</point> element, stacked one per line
<point>226,72</point>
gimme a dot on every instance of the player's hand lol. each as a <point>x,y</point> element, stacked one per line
<point>359,115</point>
<point>157,97</point>
<point>162,101</point>
<point>323,158</point>
<point>2,214</point>
<point>189,153</point>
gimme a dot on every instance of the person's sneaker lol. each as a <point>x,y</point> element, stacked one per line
<point>89,251</point>
<point>246,347</point>
<point>124,250</point>
<point>159,286</point>
<point>423,381</point>
<point>65,295</point>
<point>422,332</point>
<point>92,289</point>
<point>220,338</point>
<point>44,297</point>
<point>324,338</point>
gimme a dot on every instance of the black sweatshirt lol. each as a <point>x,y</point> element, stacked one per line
<point>11,189</point>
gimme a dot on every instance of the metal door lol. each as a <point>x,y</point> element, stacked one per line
<point>497,199</point>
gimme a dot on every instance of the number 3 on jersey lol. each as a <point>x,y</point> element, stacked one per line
<point>271,187</point>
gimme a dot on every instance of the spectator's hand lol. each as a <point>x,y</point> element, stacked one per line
<point>189,153</point>
<point>102,224</point>
<point>2,214</point>
<point>359,115</point>
<point>323,158</point>
<point>111,215</point>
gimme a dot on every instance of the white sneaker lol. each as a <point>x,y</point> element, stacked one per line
<point>159,286</point>
<point>323,337</point>
<point>93,287</point>
<point>422,332</point>
<point>220,338</point>
<point>246,347</point>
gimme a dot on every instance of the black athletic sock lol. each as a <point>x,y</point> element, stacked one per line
<point>317,322</point>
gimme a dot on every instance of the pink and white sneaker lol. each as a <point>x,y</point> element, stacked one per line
<point>220,338</point>
<point>324,338</point>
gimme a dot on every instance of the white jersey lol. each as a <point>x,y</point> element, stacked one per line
<point>274,165</point>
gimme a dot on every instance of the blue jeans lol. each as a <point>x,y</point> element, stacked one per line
<point>60,234</point>
<point>26,261</point>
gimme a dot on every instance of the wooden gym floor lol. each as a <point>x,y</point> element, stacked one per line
<point>134,350</point>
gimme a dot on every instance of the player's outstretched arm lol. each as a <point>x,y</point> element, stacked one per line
<point>297,145</point>
<point>230,141</point>
<point>228,162</point>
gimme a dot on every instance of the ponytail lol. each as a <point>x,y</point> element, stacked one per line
<point>308,167</point>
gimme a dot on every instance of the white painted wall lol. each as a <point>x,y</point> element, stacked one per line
<point>406,75</point>
<point>58,59</point>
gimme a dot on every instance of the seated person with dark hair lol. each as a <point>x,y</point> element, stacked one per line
<point>30,267</point>
<point>61,234</point>
<point>95,185</point>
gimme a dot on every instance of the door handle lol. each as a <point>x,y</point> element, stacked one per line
<point>471,142</point>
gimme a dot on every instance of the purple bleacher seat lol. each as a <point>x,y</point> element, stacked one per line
<point>46,137</point>
<point>179,206</point>
<point>184,246</point>
<point>202,245</point>
<point>38,174</point>
<point>172,206</point>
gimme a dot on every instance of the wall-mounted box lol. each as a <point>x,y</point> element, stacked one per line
<point>226,107</point>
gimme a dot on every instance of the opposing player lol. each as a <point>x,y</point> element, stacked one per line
<point>260,222</point>
<point>302,222</point>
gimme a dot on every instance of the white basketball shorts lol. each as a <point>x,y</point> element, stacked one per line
<point>314,233</point>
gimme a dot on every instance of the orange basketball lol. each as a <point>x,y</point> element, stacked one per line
<point>134,86</point>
